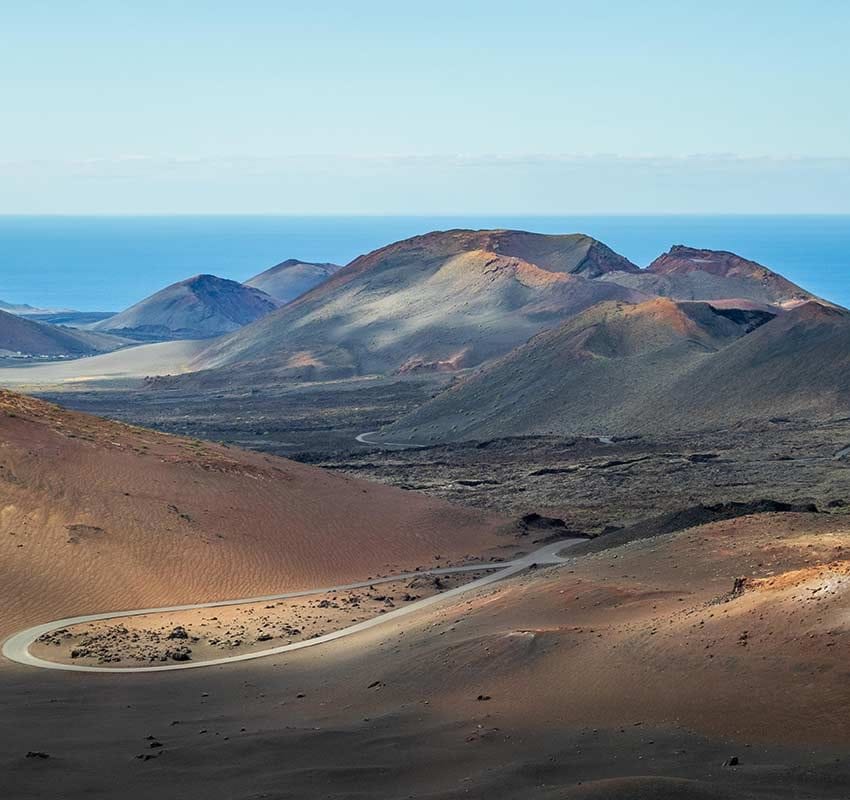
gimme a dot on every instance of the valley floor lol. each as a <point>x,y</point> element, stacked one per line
<point>590,484</point>
<point>636,672</point>
<point>705,663</point>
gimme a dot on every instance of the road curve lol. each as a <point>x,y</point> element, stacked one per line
<point>365,438</point>
<point>16,647</point>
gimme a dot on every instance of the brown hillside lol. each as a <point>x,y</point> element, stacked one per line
<point>96,516</point>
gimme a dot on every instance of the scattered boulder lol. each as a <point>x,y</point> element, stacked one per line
<point>537,522</point>
<point>551,528</point>
<point>179,654</point>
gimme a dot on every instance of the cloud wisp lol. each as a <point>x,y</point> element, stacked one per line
<point>427,184</point>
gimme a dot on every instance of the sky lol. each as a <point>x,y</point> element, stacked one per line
<point>442,107</point>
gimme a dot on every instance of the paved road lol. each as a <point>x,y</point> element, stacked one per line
<point>368,438</point>
<point>16,647</point>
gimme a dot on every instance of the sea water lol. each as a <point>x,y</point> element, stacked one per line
<point>108,263</point>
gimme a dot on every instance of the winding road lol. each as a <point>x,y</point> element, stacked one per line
<point>365,438</point>
<point>16,647</point>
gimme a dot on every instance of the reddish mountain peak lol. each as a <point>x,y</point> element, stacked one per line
<point>702,269</point>
<point>575,253</point>
<point>680,260</point>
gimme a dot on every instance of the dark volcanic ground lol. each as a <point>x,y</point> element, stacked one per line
<point>588,483</point>
<point>284,420</point>
<point>592,485</point>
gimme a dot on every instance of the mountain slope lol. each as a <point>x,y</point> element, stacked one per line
<point>798,365</point>
<point>618,370</point>
<point>589,375</point>
<point>198,308</point>
<point>99,516</point>
<point>687,273</point>
<point>290,279</point>
<point>29,338</point>
<point>440,301</point>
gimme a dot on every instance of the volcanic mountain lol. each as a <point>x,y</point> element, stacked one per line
<point>797,365</point>
<point>290,279</point>
<point>198,308</point>
<point>20,336</point>
<point>686,273</point>
<point>440,302</point>
<point>435,302</point>
<point>102,516</point>
<point>619,369</point>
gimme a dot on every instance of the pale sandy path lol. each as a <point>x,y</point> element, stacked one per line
<point>16,647</point>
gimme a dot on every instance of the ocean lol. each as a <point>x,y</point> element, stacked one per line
<point>108,263</point>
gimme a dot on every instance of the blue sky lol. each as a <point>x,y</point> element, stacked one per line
<point>371,107</point>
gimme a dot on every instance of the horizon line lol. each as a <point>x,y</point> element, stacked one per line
<point>415,215</point>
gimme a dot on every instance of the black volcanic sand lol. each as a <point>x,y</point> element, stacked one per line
<point>284,420</point>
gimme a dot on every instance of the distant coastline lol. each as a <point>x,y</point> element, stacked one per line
<point>97,263</point>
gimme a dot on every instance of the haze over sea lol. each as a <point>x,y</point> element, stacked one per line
<point>108,263</point>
